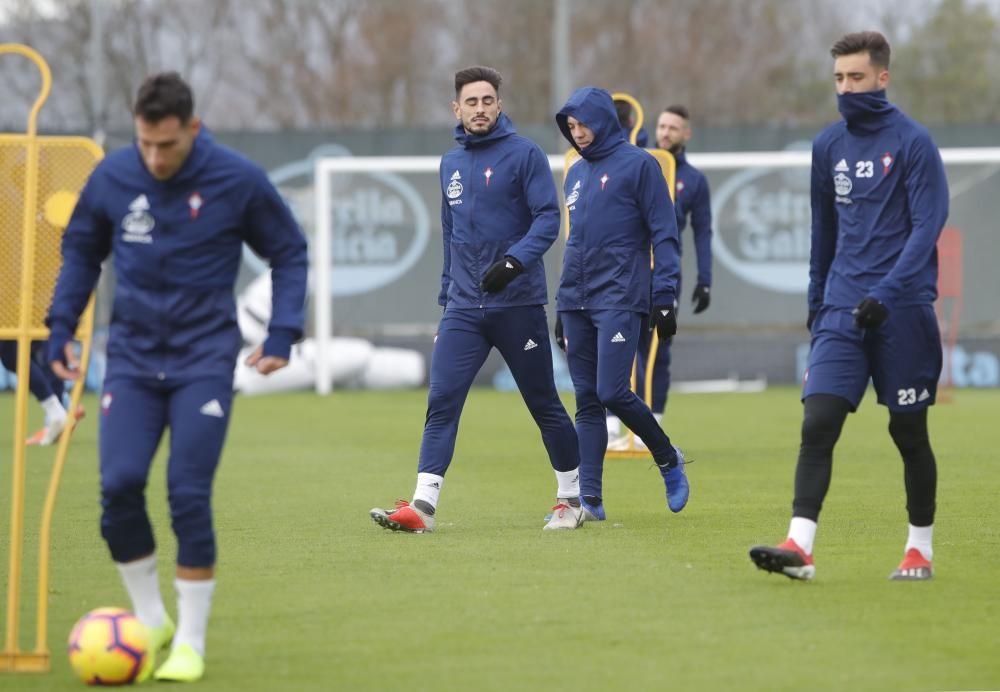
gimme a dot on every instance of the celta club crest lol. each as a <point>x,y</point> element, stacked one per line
<point>195,202</point>
<point>886,163</point>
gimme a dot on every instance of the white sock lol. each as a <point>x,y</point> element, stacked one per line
<point>194,603</point>
<point>53,409</point>
<point>143,586</point>
<point>569,483</point>
<point>920,538</point>
<point>428,488</point>
<point>803,532</point>
<point>614,426</point>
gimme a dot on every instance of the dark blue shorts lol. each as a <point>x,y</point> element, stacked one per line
<point>902,357</point>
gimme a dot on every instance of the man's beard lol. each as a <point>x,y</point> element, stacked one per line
<point>480,127</point>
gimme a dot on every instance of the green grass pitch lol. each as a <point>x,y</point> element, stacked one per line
<point>313,596</point>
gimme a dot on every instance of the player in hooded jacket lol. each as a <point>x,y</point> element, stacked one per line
<point>692,200</point>
<point>619,207</point>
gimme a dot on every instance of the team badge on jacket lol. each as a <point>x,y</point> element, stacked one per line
<point>886,163</point>
<point>573,195</point>
<point>454,189</point>
<point>195,201</point>
<point>138,223</point>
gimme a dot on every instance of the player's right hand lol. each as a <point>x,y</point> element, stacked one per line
<point>70,369</point>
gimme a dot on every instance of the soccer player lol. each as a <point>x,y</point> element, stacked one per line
<point>691,200</point>
<point>626,118</point>
<point>173,211</point>
<point>499,214</point>
<point>619,206</point>
<point>46,388</point>
<point>879,202</point>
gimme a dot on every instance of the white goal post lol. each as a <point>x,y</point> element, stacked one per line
<point>327,167</point>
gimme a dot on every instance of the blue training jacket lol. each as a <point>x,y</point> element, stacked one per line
<point>692,198</point>
<point>619,206</point>
<point>176,248</point>
<point>879,203</point>
<point>497,198</point>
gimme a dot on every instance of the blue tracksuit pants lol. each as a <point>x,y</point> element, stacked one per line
<point>134,414</point>
<point>464,340</point>
<point>601,346</point>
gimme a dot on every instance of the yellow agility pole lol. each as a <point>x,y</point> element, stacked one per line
<point>50,169</point>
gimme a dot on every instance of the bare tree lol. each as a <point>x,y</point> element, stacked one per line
<point>284,64</point>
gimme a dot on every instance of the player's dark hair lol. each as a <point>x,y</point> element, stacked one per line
<point>678,110</point>
<point>624,110</point>
<point>871,42</point>
<point>164,95</point>
<point>477,73</point>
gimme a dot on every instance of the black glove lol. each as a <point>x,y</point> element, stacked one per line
<point>500,274</point>
<point>560,336</point>
<point>700,298</point>
<point>665,320</point>
<point>870,313</point>
<point>811,319</point>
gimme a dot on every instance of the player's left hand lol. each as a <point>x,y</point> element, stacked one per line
<point>69,369</point>
<point>560,334</point>
<point>870,313</point>
<point>501,273</point>
<point>665,320</point>
<point>701,298</point>
<point>265,365</point>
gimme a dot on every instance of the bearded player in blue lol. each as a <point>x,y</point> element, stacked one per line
<point>692,199</point>
<point>499,214</point>
<point>879,203</point>
<point>173,211</point>
<point>619,207</point>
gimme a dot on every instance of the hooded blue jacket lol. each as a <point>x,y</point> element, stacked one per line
<point>497,198</point>
<point>176,248</point>
<point>693,198</point>
<point>619,206</point>
<point>879,202</point>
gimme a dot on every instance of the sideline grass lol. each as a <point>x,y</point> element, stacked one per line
<point>313,596</point>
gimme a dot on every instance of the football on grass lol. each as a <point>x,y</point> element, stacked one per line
<point>108,646</point>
